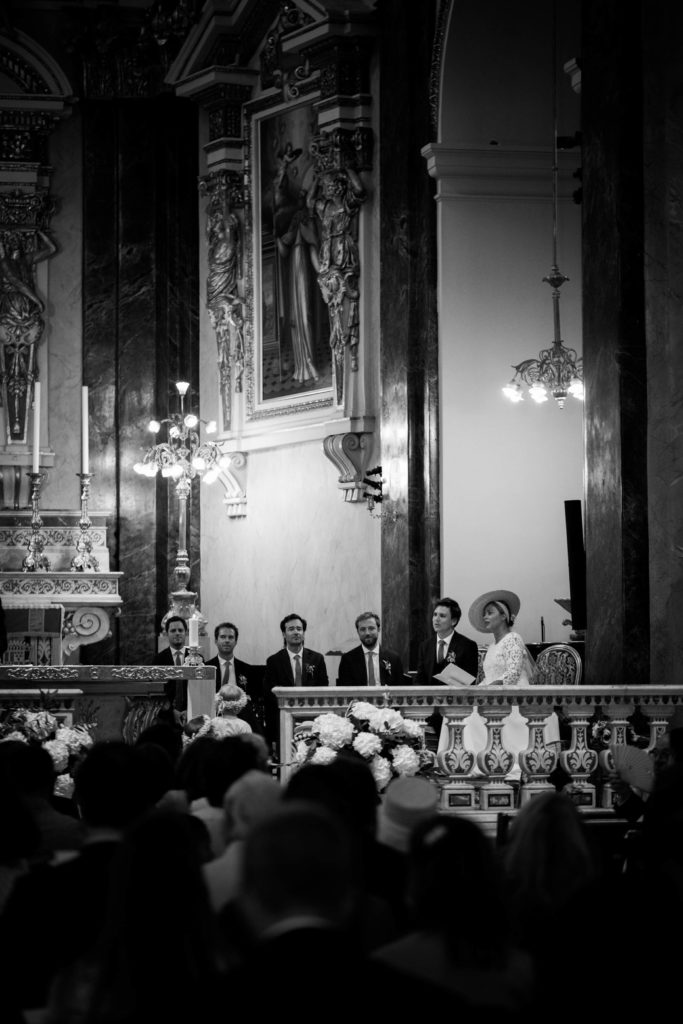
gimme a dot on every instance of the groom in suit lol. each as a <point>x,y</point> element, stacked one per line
<point>230,669</point>
<point>370,664</point>
<point>294,665</point>
<point>447,645</point>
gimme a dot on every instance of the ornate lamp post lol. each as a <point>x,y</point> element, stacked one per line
<point>182,457</point>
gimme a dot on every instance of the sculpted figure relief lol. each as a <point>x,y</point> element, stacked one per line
<point>336,205</point>
<point>21,320</point>
<point>224,239</point>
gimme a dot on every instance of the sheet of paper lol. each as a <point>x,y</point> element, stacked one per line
<point>453,675</point>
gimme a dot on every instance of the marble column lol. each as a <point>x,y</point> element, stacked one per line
<point>140,333</point>
<point>614,347</point>
<point>663,216</point>
<point>411,571</point>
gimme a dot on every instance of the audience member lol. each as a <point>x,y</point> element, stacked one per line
<point>250,799</point>
<point>157,921</point>
<point>461,939</point>
<point>408,800</point>
<point>371,663</point>
<point>111,792</point>
<point>28,769</point>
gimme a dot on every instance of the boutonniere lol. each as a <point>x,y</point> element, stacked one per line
<point>387,666</point>
<point>310,670</point>
<point>451,658</point>
<point>242,681</point>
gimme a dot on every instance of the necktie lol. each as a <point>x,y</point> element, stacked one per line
<point>226,674</point>
<point>371,670</point>
<point>180,693</point>
<point>297,670</point>
<point>441,653</point>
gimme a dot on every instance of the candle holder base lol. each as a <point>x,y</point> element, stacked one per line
<point>193,658</point>
<point>35,560</point>
<point>84,560</point>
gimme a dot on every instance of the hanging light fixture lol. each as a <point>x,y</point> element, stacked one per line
<point>557,370</point>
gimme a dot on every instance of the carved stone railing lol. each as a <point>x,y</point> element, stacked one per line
<point>478,784</point>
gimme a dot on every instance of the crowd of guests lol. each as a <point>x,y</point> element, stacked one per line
<point>184,882</point>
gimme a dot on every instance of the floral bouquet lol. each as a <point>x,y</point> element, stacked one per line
<point>391,744</point>
<point>65,744</point>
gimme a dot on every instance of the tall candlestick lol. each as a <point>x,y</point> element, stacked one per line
<point>194,632</point>
<point>85,452</point>
<point>36,427</point>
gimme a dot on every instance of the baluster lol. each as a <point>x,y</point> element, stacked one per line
<point>538,760</point>
<point>457,762</point>
<point>496,761</point>
<point>580,761</point>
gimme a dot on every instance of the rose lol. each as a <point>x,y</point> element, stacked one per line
<point>333,730</point>
<point>451,659</point>
<point>64,786</point>
<point>405,760</point>
<point>301,752</point>
<point>387,667</point>
<point>310,669</point>
<point>367,744</point>
<point>242,681</point>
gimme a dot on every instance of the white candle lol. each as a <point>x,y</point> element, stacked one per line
<point>36,427</point>
<point>85,453</point>
<point>194,632</point>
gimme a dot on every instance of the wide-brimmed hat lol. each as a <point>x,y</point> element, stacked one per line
<point>476,612</point>
<point>407,801</point>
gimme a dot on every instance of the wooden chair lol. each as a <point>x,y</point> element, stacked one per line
<point>558,665</point>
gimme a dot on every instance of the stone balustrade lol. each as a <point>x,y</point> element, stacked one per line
<point>478,785</point>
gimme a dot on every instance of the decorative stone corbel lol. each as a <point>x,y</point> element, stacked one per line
<point>349,454</point>
<point>234,481</point>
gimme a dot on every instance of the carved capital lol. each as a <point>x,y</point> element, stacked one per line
<point>341,148</point>
<point>349,454</point>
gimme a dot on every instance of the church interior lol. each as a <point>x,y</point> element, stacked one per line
<point>318,317</point>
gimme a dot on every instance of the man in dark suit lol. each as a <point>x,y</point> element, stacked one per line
<point>230,669</point>
<point>294,665</point>
<point>175,689</point>
<point>447,645</point>
<point>370,664</point>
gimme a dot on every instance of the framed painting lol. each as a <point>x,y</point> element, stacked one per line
<point>291,365</point>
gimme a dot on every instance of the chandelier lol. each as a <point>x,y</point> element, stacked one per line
<point>182,457</point>
<point>557,370</point>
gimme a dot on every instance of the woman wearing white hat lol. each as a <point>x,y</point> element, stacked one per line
<point>507,662</point>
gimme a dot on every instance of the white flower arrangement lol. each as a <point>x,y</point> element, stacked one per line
<point>391,744</point>
<point>66,744</point>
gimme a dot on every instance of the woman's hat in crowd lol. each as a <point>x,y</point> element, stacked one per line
<point>476,612</point>
<point>407,801</point>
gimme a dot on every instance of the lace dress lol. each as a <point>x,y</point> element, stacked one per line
<point>507,663</point>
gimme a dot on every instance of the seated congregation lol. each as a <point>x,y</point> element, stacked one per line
<point>183,882</point>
